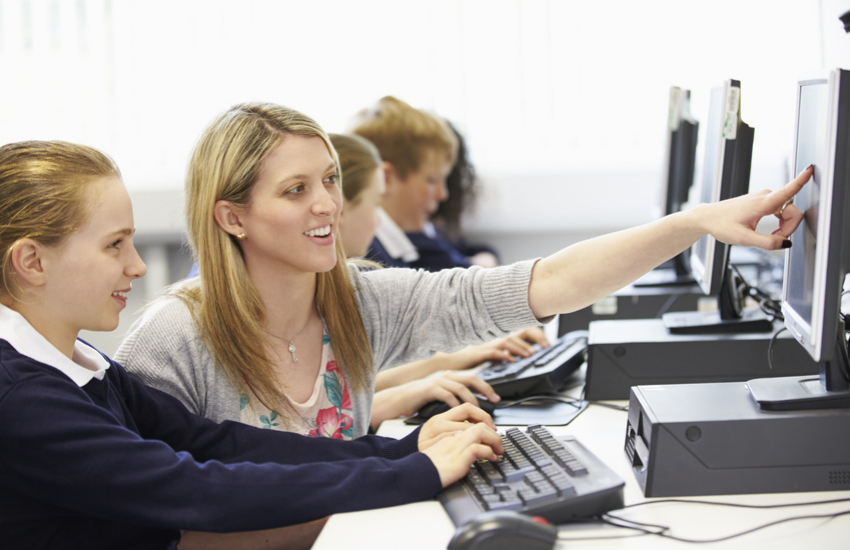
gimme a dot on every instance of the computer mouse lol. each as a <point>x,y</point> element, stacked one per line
<point>505,530</point>
<point>436,407</point>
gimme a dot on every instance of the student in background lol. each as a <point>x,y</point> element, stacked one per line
<point>403,390</point>
<point>418,151</point>
<point>94,459</point>
<point>462,188</point>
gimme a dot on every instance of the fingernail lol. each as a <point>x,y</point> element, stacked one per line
<point>786,244</point>
<point>812,166</point>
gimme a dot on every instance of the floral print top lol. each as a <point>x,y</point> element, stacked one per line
<point>326,413</point>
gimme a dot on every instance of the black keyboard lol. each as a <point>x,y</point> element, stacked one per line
<point>546,371</point>
<point>538,475</point>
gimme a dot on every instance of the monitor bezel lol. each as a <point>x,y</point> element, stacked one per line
<point>817,336</point>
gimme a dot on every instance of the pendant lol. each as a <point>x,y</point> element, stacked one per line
<point>292,351</point>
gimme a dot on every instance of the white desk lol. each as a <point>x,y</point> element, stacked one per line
<point>426,525</point>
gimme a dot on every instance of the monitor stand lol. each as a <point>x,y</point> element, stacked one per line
<point>730,317</point>
<point>796,393</point>
<point>752,320</point>
<point>829,390</point>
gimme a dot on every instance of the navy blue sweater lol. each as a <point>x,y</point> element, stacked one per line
<point>116,464</point>
<point>435,254</point>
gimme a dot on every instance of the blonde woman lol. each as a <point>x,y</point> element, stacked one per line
<point>281,332</point>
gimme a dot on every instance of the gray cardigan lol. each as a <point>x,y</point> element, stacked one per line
<point>408,314</point>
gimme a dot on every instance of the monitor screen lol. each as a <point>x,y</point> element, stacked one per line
<point>802,311</point>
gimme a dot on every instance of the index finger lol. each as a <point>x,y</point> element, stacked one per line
<point>787,191</point>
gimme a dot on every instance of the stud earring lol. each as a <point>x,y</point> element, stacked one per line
<point>241,236</point>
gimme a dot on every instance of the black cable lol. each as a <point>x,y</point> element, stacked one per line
<point>665,535</point>
<point>770,347</point>
<point>765,301</point>
<point>543,397</point>
<point>733,504</point>
<point>667,305</point>
<point>600,403</point>
<point>644,529</point>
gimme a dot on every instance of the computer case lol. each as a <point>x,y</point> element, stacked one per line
<point>634,302</point>
<point>626,353</point>
<point>712,439</point>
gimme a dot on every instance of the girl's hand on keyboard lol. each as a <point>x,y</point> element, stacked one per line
<point>453,453</point>
<point>450,387</point>
<point>447,424</point>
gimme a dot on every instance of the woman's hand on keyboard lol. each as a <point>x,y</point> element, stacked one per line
<point>450,387</point>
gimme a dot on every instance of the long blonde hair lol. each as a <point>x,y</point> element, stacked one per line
<point>44,196</point>
<point>225,303</point>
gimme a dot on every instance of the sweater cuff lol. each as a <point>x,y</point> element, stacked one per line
<point>403,447</point>
<point>510,284</point>
<point>419,480</point>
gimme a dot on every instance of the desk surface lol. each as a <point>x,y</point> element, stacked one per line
<point>426,526</point>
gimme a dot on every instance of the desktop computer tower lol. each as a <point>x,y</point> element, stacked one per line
<point>634,302</point>
<point>622,354</point>
<point>712,439</point>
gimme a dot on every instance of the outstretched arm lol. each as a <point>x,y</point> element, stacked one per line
<point>595,268</point>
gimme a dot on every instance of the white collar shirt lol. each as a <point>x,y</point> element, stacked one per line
<point>87,363</point>
<point>396,243</point>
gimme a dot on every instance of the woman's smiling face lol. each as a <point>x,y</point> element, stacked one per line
<point>294,209</point>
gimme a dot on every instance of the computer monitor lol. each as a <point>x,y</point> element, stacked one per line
<point>726,174</point>
<point>681,151</point>
<point>678,178</point>
<point>818,261</point>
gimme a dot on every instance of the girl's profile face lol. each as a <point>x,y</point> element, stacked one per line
<point>360,219</point>
<point>90,273</point>
<point>294,208</point>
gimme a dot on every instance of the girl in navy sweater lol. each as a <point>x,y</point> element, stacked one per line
<point>90,457</point>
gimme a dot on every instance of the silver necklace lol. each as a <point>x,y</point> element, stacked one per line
<point>291,347</point>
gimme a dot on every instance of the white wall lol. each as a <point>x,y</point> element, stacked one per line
<point>563,102</point>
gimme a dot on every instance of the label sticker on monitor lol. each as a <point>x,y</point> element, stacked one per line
<point>605,306</point>
<point>730,124</point>
<point>675,107</point>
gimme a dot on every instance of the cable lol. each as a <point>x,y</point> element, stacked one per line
<point>667,305</point>
<point>770,347</point>
<point>765,301</point>
<point>576,402</point>
<point>663,532</point>
<point>601,404</point>
<point>644,529</point>
<point>568,400</point>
